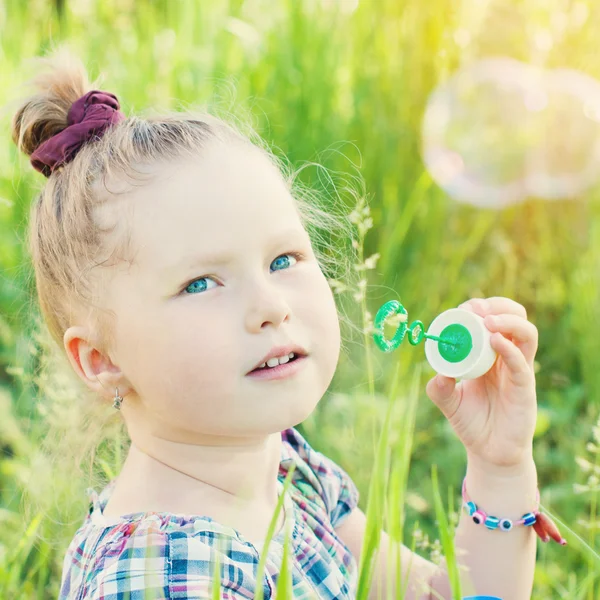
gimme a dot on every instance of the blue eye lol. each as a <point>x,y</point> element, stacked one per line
<point>195,287</point>
<point>199,285</point>
<point>285,261</point>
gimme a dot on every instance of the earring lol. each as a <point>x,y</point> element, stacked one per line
<point>118,400</point>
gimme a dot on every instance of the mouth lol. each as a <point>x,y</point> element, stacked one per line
<point>291,351</point>
<point>266,367</point>
<point>280,371</point>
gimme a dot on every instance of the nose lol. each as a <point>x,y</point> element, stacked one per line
<point>266,304</point>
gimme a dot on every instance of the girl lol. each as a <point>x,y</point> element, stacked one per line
<point>174,266</point>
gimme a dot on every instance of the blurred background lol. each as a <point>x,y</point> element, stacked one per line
<point>473,130</point>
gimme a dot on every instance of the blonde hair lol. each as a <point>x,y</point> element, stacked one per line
<point>65,244</point>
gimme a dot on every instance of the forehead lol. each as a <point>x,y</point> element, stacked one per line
<point>230,197</point>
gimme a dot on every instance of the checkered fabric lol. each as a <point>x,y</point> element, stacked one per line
<point>152,556</point>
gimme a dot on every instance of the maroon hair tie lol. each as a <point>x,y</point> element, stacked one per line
<point>90,115</point>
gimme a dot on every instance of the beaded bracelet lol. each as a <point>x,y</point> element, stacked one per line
<point>541,523</point>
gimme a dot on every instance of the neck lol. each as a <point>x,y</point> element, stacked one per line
<point>229,470</point>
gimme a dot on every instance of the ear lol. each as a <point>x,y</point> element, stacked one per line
<point>95,368</point>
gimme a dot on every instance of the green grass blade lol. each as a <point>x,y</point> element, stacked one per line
<point>216,587</point>
<point>399,479</point>
<point>284,585</point>
<point>270,532</point>
<point>446,538</point>
<point>376,504</point>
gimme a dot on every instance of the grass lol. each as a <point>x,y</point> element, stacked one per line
<point>346,91</point>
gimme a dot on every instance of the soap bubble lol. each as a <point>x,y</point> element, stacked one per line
<point>477,132</point>
<point>567,159</point>
<point>500,130</point>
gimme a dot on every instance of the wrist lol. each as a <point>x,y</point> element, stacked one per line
<point>510,491</point>
<point>523,468</point>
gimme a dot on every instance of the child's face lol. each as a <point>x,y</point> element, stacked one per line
<point>186,354</point>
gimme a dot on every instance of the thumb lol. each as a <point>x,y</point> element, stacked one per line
<point>444,393</point>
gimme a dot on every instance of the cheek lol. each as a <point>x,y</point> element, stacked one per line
<point>185,372</point>
<point>323,316</point>
<point>177,354</point>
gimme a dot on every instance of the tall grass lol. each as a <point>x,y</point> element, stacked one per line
<point>346,90</point>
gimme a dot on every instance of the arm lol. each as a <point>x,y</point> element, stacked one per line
<point>500,563</point>
<point>352,533</point>
<point>491,562</point>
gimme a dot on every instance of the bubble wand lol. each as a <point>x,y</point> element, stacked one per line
<point>457,343</point>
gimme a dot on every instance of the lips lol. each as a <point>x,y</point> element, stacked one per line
<point>278,351</point>
<point>296,356</point>
<point>287,370</point>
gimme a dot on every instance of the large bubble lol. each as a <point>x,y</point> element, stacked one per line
<point>500,130</point>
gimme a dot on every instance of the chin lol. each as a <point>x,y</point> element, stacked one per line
<point>278,419</point>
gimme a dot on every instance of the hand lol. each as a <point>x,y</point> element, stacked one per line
<point>494,415</point>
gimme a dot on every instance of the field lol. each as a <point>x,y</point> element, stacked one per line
<point>341,89</point>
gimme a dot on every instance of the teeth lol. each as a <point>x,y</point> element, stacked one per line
<point>273,362</point>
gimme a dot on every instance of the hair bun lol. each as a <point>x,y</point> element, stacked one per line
<point>61,81</point>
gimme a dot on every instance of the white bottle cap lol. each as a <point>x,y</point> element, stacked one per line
<point>479,359</point>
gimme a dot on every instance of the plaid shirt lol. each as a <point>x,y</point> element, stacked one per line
<point>153,556</point>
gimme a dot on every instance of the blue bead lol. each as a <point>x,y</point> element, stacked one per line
<point>470,508</point>
<point>491,522</point>
<point>506,525</point>
<point>529,519</point>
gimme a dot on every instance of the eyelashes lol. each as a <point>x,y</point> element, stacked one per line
<point>298,256</point>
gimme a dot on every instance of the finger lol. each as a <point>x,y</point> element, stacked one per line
<point>518,369</point>
<point>494,305</point>
<point>523,333</point>
<point>445,393</point>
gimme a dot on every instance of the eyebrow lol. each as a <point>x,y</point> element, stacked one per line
<point>289,235</point>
